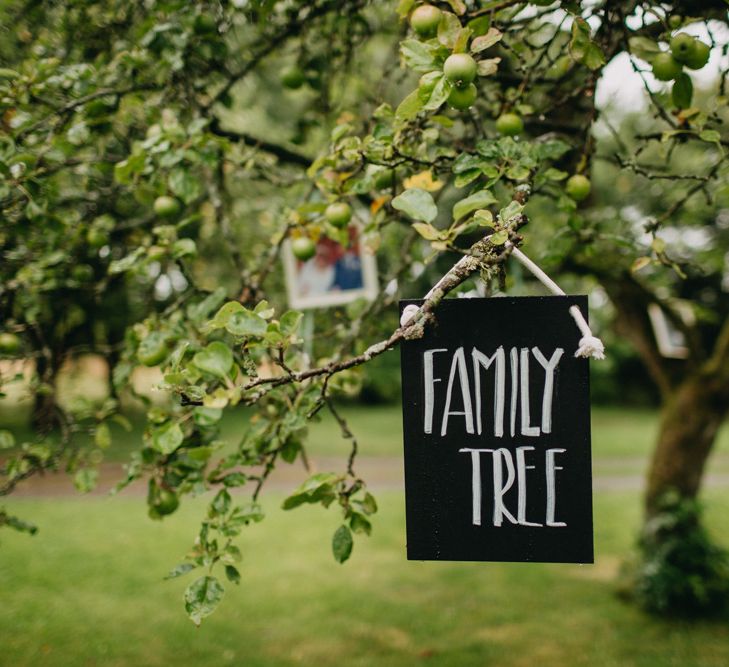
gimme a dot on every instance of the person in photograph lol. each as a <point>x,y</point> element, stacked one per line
<point>316,276</point>
<point>348,269</point>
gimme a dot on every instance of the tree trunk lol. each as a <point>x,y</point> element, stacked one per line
<point>690,421</point>
<point>45,416</point>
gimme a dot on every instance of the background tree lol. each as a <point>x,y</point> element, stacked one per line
<point>155,156</point>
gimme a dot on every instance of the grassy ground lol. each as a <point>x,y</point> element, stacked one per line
<point>617,432</point>
<point>87,590</point>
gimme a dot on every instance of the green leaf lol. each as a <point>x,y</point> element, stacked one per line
<point>477,200</point>
<point>458,6</point>
<point>499,238</point>
<point>417,204</point>
<point>85,479</point>
<point>594,58</point>
<point>493,36</point>
<point>183,248</point>
<point>102,436</point>
<point>439,94</point>
<point>683,91</point>
<point>582,48</point>
<point>461,45</point>
<point>198,311</point>
<point>483,217</point>
<point>640,263</point>
<point>234,479</point>
<point>466,177</point>
<point>488,66</point>
<point>7,73</point>
<point>369,504</point>
<point>553,174</point>
<point>224,314</point>
<point>200,453</point>
<point>552,150</point>
<point>247,513</point>
<point>342,544</point>
<point>126,263</point>
<point>18,524</point>
<point>290,322</point>
<point>512,210</point>
<point>428,232</point>
<point>246,323</point>
<point>360,524</point>
<point>312,490</point>
<point>644,48</point>
<point>7,439</point>
<point>167,438</point>
<point>404,7</point>
<point>480,26</point>
<point>206,416</point>
<point>202,598</point>
<point>263,310</point>
<point>409,107</point>
<point>221,503</point>
<point>125,170</point>
<point>418,56</point>
<point>712,136</point>
<point>466,162</point>
<point>232,574</point>
<point>185,185</point>
<point>180,570</point>
<point>448,30</point>
<point>518,172</point>
<point>216,359</point>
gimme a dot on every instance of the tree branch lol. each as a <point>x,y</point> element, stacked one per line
<point>281,152</point>
<point>481,254</point>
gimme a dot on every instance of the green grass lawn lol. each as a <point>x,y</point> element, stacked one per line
<point>88,590</point>
<point>617,432</point>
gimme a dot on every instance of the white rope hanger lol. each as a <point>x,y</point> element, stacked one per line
<point>589,346</point>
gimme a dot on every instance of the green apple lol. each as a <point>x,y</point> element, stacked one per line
<point>462,98</point>
<point>700,56</point>
<point>460,69</point>
<point>303,248</point>
<point>509,124</point>
<point>204,25</point>
<point>293,77</point>
<point>666,67</point>
<point>384,179</point>
<point>682,47</point>
<point>578,187</point>
<point>152,350</point>
<point>9,343</point>
<point>425,19</point>
<point>338,214</point>
<point>167,207</point>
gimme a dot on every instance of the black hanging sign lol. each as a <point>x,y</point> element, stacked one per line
<point>496,415</point>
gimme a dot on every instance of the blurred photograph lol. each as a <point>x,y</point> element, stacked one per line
<point>333,275</point>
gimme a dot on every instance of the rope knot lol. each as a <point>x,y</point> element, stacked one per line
<point>591,346</point>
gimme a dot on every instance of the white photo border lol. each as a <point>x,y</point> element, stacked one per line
<point>663,330</point>
<point>369,290</point>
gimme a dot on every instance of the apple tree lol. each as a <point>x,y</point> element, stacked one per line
<point>155,157</point>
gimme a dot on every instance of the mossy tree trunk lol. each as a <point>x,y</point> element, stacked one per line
<point>681,570</point>
<point>691,417</point>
